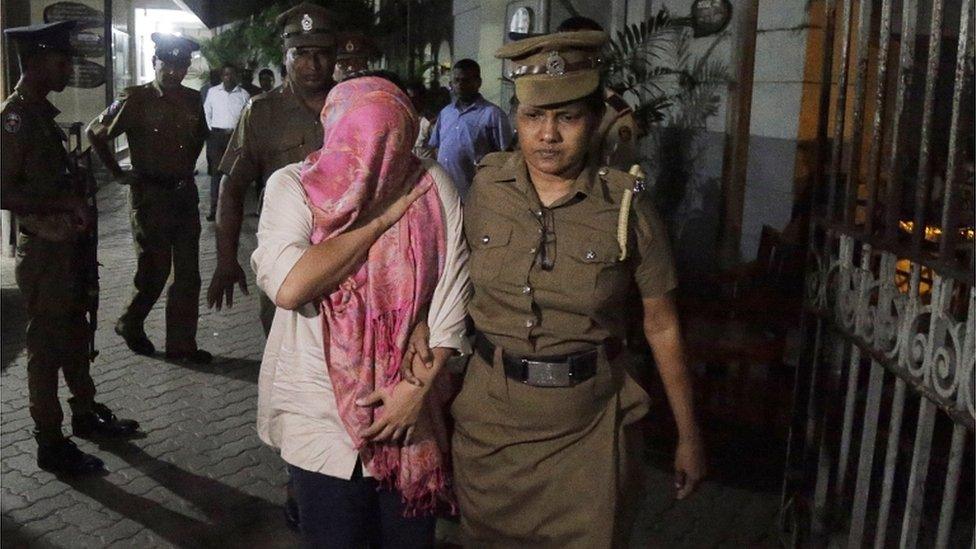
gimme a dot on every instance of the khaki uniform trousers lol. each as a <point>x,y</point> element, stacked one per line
<point>50,278</point>
<point>166,233</point>
<point>547,467</point>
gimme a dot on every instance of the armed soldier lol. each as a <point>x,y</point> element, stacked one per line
<point>36,185</point>
<point>166,127</point>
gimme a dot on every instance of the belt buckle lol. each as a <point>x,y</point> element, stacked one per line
<point>546,374</point>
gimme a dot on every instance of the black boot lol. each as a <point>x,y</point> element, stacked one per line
<point>100,422</point>
<point>137,341</point>
<point>62,456</point>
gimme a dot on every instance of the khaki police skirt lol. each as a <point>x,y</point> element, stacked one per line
<point>547,467</point>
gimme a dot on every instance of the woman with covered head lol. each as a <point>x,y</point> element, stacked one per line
<point>357,244</point>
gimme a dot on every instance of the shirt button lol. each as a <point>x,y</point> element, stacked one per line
<point>590,255</point>
<point>604,171</point>
<point>529,323</point>
<point>527,289</point>
<point>532,250</point>
<point>485,239</point>
<point>538,213</point>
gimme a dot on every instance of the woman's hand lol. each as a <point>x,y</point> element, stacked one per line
<point>689,466</point>
<point>392,212</point>
<point>418,353</point>
<point>401,407</point>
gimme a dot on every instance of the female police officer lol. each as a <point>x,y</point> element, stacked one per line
<point>546,446</point>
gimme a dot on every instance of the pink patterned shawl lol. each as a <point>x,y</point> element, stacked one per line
<point>370,129</point>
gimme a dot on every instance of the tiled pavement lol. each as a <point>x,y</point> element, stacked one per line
<point>201,477</point>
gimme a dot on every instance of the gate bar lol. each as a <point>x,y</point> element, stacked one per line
<point>865,466</point>
<point>920,470</point>
<point>891,462</point>
<point>953,166</point>
<point>840,112</point>
<point>905,71</point>
<point>880,100</point>
<point>857,124</point>
<point>951,485</point>
<point>925,148</point>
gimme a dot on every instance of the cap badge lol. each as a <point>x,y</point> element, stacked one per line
<point>306,23</point>
<point>175,52</point>
<point>555,64</point>
<point>350,47</point>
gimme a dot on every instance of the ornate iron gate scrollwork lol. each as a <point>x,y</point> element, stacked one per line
<point>884,401</point>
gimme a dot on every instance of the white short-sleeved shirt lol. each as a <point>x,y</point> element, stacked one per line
<point>297,411</point>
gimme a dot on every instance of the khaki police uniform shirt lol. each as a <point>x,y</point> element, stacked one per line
<point>35,162</point>
<point>580,302</point>
<point>166,131</point>
<point>275,129</point>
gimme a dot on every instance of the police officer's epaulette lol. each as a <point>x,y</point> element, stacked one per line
<point>621,181</point>
<point>617,103</point>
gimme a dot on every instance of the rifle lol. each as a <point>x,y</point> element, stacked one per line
<point>83,181</point>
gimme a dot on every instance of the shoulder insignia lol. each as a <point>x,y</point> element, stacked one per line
<point>114,108</point>
<point>617,103</point>
<point>639,184</point>
<point>11,122</point>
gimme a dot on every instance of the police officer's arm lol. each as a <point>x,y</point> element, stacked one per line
<point>241,165</point>
<point>13,192</point>
<point>202,129</point>
<point>111,123</point>
<point>654,273</point>
<point>663,334</point>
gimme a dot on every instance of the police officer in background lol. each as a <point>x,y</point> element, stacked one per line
<point>36,186</point>
<point>615,141</point>
<point>276,129</point>
<point>352,54</point>
<point>166,129</point>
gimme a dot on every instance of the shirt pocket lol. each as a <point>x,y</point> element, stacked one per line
<point>600,271</point>
<point>489,249</point>
<point>287,151</point>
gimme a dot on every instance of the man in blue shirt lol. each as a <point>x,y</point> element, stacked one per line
<point>468,128</point>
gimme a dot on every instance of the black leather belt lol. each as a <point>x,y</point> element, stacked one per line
<point>553,371</point>
<point>222,130</point>
<point>164,182</point>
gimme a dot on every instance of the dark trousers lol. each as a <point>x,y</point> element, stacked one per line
<point>337,513</point>
<point>166,233</point>
<point>216,146</point>
<point>48,275</point>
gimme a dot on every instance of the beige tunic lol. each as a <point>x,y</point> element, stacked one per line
<point>551,467</point>
<point>297,412</point>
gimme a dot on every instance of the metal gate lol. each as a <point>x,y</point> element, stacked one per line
<point>880,449</point>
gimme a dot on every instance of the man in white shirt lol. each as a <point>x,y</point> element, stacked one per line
<point>223,108</point>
